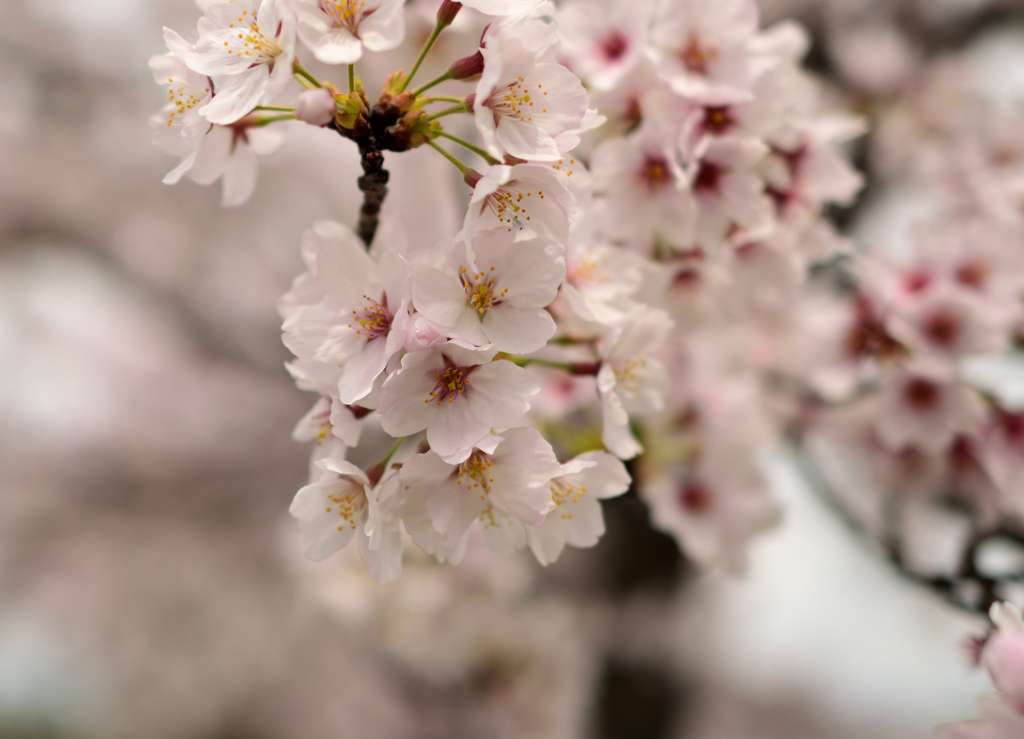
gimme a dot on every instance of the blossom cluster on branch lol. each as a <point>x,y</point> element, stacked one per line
<point>645,211</point>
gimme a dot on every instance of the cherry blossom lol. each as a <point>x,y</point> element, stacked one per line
<point>335,509</point>
<point>229,154</point>
<point>703,48</point>
<point>458,394</point>
<point>525,199</point>
<point>504,487</point>
<point>630,380</point>
<point>576,490</point>
<point>337,31</point>
<point>494,293</point>
<point>359,317</point>
<point>248,50</point>
<point>524,107</point>
<point>603,41</point>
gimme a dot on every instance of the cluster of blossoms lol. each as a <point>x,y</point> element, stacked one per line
<point>1002,654</point>
<point>647,295</point>
<point>902,367</point>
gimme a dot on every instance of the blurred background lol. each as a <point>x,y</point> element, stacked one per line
<point>151,582</point>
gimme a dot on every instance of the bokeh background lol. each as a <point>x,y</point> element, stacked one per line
<point>151,582</point>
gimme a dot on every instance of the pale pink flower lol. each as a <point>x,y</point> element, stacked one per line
<point>641,191</point>
<point>316,107</point>
<point>525,199</point>
<point>504,487</point>
<point>603,40</point>
<point>333,510</point>
<point>178,128</point>
<point>455,392</point>
<point>503,7</point>
<point>494,292</point>
<point>524,107</point>
<point>702,49</point>
<point>630,380</point>
<point>229,153</point>
<point>949,323</point>
<point>728,192</point>
<point>248,50</point>
<point>924,409</point>
<point>577,519</point>
<point>714,507</point>
<point>337,31</point>
<point>359,318</point>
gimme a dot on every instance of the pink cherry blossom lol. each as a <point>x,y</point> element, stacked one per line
<point>337,31</point>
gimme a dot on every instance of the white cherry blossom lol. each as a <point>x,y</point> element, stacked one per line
<point>247,46</point>
<point>504,487</point>
<point>494,293</point>
<point>642,192</point>
<point>229,153</point>
<point>922,408</point>
<point>603,40</point>
<point>703,50</point>
<point>178,128</point>
<point>337,31</point>
<point>458,394</point>
<point>630,380</point>
<point>360,320</point>
<point>525,199</point>
<point>333,510</point>
<point>524,107</point>
<point>577,519</point>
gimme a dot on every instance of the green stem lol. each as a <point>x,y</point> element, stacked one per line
<point>298,69</point>
<point>436,81</point>
<point>351,77</point>
<point>462,167</point>
<point>423,55</point>
<point>475,149</point>
<point>441,99</point>
<point>276,108</point>
<point>394,450</point>
<point>461,108</point>
<point>273,119</point>
<point>527,361</point>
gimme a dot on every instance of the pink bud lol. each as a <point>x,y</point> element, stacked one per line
<point>467,66</point>
<point>316,107</point>
<point>447,12</point>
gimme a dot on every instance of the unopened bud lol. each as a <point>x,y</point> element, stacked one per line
<point>316,107</point>
<point>467,66</point>
<point>447,12</point>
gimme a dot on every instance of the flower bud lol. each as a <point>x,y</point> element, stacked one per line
<point>316,107</point>
<point>467,66</point>
<point>447,12</point>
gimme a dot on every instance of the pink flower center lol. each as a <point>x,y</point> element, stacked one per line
<point>942,327</point>
<point>614,46</point>
<point>718,120</point>
<point>696,57</point>
<point>449,384</point>
<point>695,498</point>
<point>921,394</point>
<point>655,174</point>
<point>373,319</point>
<point>972,274</point>
<point>709,178</point>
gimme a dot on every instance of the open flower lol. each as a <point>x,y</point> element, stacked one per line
<point>455,392</point>
<point>630,380</point>
<point>494,293</point>
<point>525,199</point>
<point>505,487</point>
<point>524,107</point>
<point>333,510</point>
<point>577,519</point>
<point>337,31</point>
<point>248,50</point>
<point>358,314</point>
